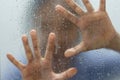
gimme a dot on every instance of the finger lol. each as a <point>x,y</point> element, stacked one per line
<point>77,49</point>
<point>88,5</point>
<point>102,5</point>
<point>68,74</point>
<point>27,48</point>
<point>50,47</point>
<point>67,14</point>
<point>75,7</point>
<point>15,62</point>
<point>33,34</point>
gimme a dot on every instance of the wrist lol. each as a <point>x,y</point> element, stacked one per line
<point>115,43</point>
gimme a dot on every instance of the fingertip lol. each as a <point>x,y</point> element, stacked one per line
<point>9,56</point>
<point>33,32</point>
<point>59,8</point>
<point>69,52</point>
<point>24,37</point>
<point>52,35</point>
<point>71,72</point>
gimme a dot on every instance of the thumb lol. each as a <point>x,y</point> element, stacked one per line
<point>75,50</point>
<point>68,73</point>
<point>18,64</point>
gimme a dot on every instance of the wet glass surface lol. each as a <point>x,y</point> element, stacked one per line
<point>13,24</point>
<point>16,18</point>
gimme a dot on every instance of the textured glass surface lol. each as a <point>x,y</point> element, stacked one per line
<point>18,17</point>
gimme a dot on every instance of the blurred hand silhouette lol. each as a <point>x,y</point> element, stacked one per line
<point>38,67</point>
<point>95,26</point>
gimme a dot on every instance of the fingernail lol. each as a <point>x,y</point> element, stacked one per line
<point>52,35</point>
<point>69,52</point>
<point>74,71</point>
<point>58,8</point>
<point>32,31</point>
<point>24,36</point>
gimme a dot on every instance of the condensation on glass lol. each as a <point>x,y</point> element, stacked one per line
<point>18,17</point>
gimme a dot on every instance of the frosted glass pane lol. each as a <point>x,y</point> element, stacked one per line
<point>18,17</point>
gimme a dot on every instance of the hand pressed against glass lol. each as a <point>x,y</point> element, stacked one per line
<point>38,67</point>
<point>95,26</point>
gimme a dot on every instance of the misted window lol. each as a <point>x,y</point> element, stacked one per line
<point>18,17</point>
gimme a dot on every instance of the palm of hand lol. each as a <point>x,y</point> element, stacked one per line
<point>97,30</point>
<point>37,70</point>
<point>38,67</point>
<point>96,27</point>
